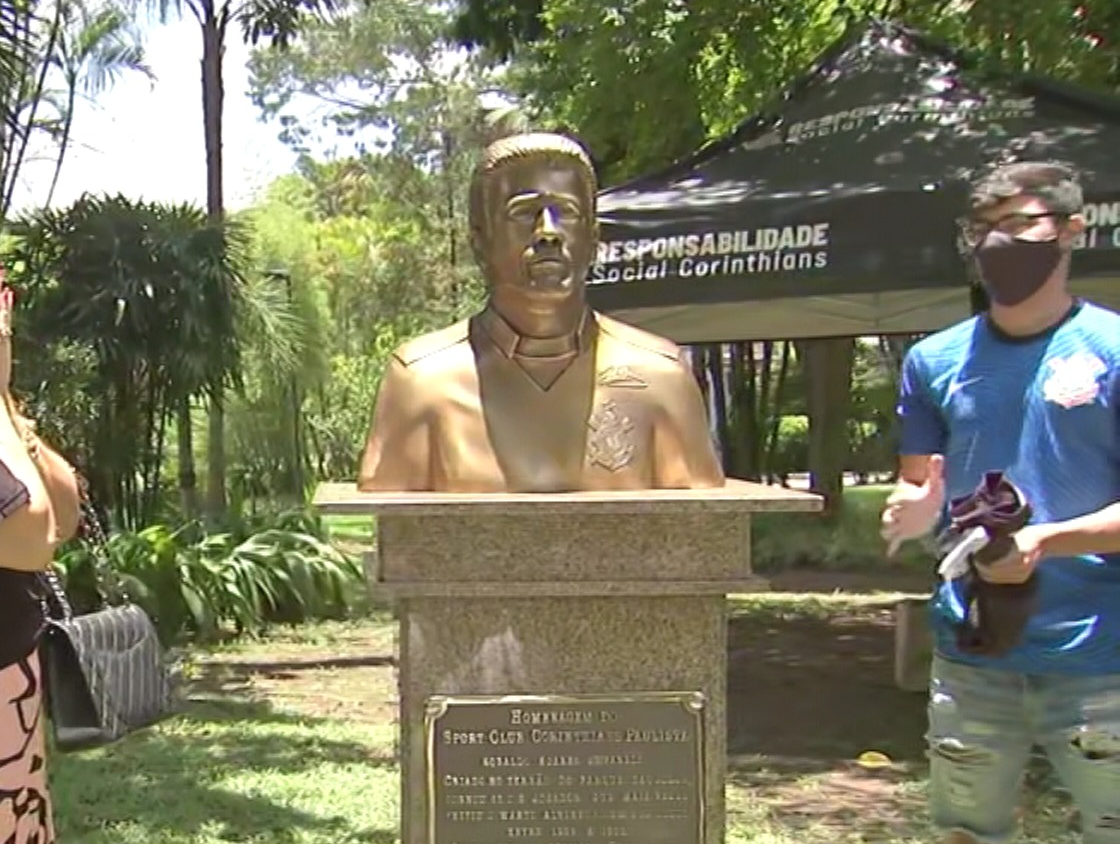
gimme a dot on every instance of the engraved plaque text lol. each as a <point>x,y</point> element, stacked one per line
<point>586,769</point>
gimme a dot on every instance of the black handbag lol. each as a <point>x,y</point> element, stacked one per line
<point>105,672</point>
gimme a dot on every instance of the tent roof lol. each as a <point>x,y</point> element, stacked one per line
<point>833,211</point>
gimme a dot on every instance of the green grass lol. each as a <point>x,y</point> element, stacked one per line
<point>782,541</point>
<point>351,533</point>
<point>287,754</point>
<point>233,771</point>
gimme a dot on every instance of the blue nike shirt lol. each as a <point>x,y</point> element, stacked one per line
<point>1045,410</point>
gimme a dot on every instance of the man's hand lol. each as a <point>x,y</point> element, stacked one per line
<point>913,509</point>
<point>1019,565</point>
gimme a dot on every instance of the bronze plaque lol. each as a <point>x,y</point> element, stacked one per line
<point>580,769</point>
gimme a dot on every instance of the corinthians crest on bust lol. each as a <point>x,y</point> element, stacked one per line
<point>610,441</point>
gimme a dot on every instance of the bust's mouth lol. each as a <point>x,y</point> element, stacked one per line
<point>548,264</point>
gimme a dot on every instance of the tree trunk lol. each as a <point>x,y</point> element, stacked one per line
<point>775,419</point>
<point>714,354</point>
<point>188,479</point>
<point>828,369</point>
<point>216,459</point>
<point>213,34</point>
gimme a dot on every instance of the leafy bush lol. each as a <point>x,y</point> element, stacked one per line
<point>206,584</point>
<point>870,449</point>
<point>791,452</point>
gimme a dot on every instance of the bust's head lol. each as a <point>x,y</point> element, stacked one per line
<point>532,218</point>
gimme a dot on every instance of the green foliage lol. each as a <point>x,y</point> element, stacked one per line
<point>204,584</point>
<point>50,52</point>
<point>791,453</point>
<point>373,254</point>
<point>499,26</point>
<point>339,421</point>
<point>139,304</point>
<point>711,63</point>
<point>870,447</point>
<point>95,46</point>
<point>872,436</point>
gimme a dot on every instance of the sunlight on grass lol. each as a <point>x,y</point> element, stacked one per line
<point>233,771</point>
<point>254,760</point>
<point>356,531</point>
<point>374,634</point>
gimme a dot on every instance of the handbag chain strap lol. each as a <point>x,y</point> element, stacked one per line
<point>55,603</point>
<point>92,534</point>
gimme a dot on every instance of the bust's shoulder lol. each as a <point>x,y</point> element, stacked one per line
<point>426,346</point>
<point>638,342</point>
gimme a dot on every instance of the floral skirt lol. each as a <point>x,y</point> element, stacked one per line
<point>25,804</point>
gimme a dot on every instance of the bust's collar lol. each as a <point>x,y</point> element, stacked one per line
<point>511,344</point>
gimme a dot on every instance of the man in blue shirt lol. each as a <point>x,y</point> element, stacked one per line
<point>1030,388</point>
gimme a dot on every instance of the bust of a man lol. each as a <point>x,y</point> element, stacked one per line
<point>537,393</point>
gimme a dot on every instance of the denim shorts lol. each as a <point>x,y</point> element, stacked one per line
<point>983,726</point>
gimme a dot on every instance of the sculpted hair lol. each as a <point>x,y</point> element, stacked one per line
<point>558,149</point>
<point>1055,184</point>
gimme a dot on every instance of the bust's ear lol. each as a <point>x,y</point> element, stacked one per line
<point>478,245</point>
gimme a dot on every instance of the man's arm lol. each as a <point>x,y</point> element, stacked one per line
<point>397,456</point>
<point>684,455</point>
<point>922,430</point>
<point>913,508</point>
<point>1093,533</point>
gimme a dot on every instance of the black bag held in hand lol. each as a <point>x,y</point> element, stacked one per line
<point>996,613</point>
<point>105,672</point>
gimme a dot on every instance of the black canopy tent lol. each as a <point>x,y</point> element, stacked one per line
<point>833,213</point>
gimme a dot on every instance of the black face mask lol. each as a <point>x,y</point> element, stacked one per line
<point>1013,270</point>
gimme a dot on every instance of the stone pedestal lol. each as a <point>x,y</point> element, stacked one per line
<point>913,645</point>
<point>579,640</point>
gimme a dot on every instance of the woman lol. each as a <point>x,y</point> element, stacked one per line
<point>39,509</point>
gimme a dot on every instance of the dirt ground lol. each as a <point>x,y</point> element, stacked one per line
<point>809,691</point>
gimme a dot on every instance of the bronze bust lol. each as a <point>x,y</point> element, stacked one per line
<point>537,393</point>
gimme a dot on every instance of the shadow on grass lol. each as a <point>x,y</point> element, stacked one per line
<point>818,687</point>
<point>209,774</point>
<point>809,690</point>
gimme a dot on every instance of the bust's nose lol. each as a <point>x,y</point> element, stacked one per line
<point>546,231</point>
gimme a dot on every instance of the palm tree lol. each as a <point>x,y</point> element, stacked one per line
<point>163,302</point>
<point>94,49</point>
<point>29,32</point>
<point>12,52</point>
<point>277,22</point>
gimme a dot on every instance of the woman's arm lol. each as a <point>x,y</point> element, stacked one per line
<point>59,477</point>
<point>32,531</point>
<point>27,526</point>
<point>61,482</point>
